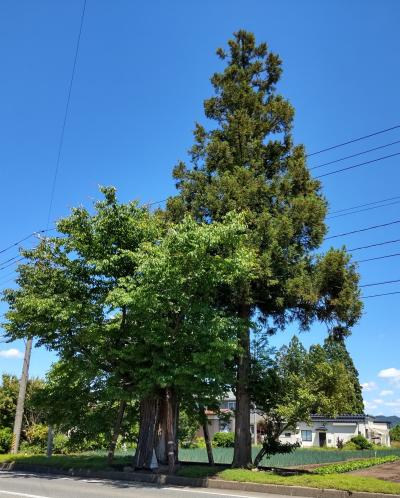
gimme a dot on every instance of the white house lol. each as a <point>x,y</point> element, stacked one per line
<point>321,431</point>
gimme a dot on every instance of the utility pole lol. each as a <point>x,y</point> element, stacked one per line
<point>19,413</point>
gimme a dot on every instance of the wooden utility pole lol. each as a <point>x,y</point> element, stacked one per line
<point>19,413</point>
<point>50,437</point>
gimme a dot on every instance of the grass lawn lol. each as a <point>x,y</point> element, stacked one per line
<point>332,481</point>
<point>81,461</point>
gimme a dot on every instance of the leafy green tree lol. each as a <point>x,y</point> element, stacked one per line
<point>293,385</point>
<point>83,403</point>
<point>64,290</point>
<point>248,164</point>
<point>336,350</point>
<point>182,339</point>
<point>395,433</point>
<point>132,300</point>
<point>8,402</point>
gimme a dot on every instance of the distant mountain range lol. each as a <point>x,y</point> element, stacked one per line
<point>393,419</point>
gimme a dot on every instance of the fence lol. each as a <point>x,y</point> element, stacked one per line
<point>298,457</point>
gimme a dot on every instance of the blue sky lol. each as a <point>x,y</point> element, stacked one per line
<point>142,75</point>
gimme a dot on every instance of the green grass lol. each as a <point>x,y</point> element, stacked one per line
<point>331,481</point>
<point>86,461</point>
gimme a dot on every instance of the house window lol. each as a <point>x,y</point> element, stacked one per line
<point>232,405</point>
<point>288,434</point>
<point>306,435</point>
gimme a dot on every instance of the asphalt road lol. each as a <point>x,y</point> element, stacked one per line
<point>23,485</point>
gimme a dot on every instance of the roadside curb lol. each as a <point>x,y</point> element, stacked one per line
<point>163,479</point>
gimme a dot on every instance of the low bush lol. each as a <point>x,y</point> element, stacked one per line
<point>339,468</point>
<point>224,440</point>
<point>5,439</point>
<point>61,444</point>
<point>358,443</point>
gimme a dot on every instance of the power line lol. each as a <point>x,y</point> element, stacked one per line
<point>355,155</point>
<point>363,205</point>
<point>353,140</point>
<point>8,260</point>
<point>362,210</point>
<point>11,264</point>
<point>25,238</point>
<point>381,283</point>
<point>357,165</point>
<point>156,202</point>
<point>374,245</point>
<point>362,229</point>
<point>61,141</point>
<point>379,295</point>
<point>378,257</point>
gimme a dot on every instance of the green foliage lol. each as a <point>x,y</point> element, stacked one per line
<point>5,439</point>
<point>60,444</point>
<point>339,468</point>
<point>223,440</point>
<point>361,443</point>
<point>395,433</point>
<point>8,401</point>
<point>293,384</point>
<point>188,426</point>
<point>36,435</point>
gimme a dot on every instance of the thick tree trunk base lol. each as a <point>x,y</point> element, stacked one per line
<point>149,408</point>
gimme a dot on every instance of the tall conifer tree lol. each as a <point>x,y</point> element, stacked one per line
<point>248,163</point>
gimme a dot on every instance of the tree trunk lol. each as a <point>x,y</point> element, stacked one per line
<point>242,450</point>
<point>206,433</point>
<point>116,431</point>
<point>149,407</point>
<point>166,438</point>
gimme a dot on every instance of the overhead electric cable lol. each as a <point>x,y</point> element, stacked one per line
<point>374,245</point>
<point>363,205</point>
<point>362,210</point>
<point>8,260</point>
<point>353,140</point>
<point>61,140</point>
<point>11,264</point>
<point>378,257</point>
<point>381,283</point>
<point>379,295</point>
<point>357,165</point>
<point>355,155</point>
<point>363,229</point>
<point>25,238</point>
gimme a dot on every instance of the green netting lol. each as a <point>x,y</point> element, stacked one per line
<point>298,457</point>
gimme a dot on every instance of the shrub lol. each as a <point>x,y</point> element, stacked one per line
<point>339,468</point>
<point>361,442</point>
<point>36,435</point>
<point>60,444</point>
<point>224,439</point>
<point>5,439</point>
<point>350,446</point>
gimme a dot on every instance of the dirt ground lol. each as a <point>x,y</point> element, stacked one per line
<point>387,472</point>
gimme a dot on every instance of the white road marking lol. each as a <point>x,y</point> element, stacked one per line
<point>188,490</point>
<point>26,495</point>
